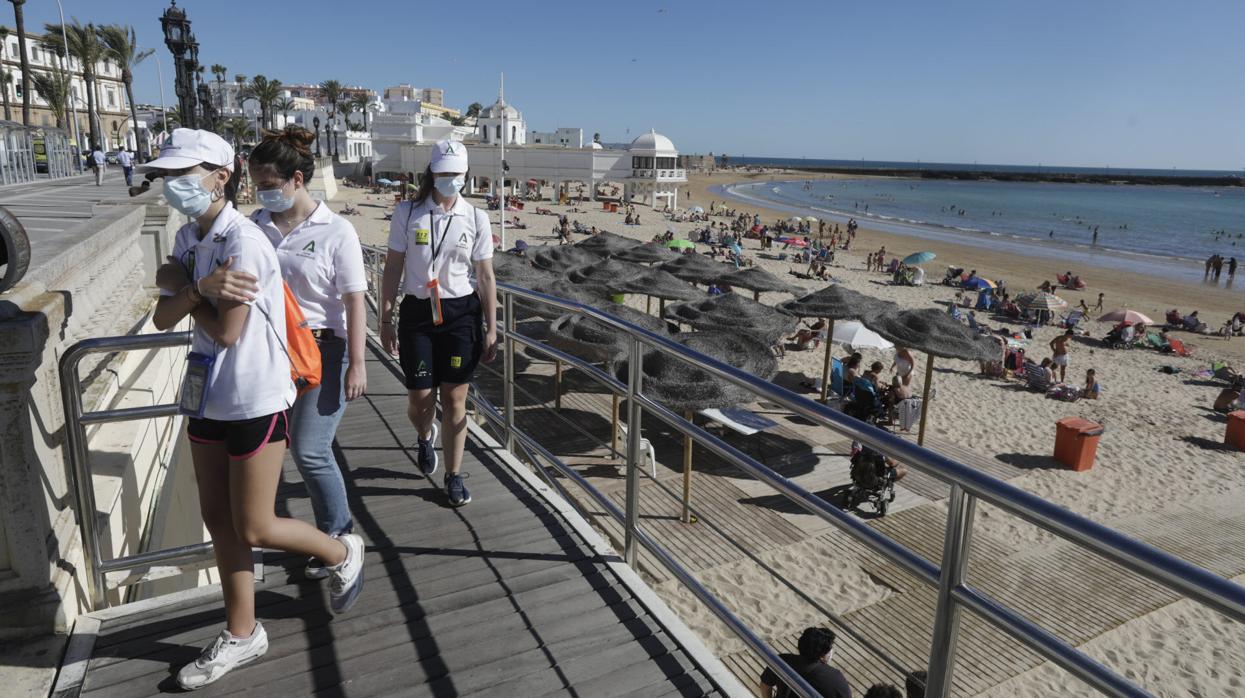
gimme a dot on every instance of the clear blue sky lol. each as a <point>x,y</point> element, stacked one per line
<point>1141,83</point>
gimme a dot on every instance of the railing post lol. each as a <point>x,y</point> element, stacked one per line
<point>634,373</point>
<point>80,479</point>
<point>508,368</point>
<point>947,613</point>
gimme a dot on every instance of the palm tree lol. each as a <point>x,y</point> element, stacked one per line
<point>19,19</point>
<point>332,92</point>
<point>53,87</point>
<point>346,108</point>
<point>284,105</point>
<point>360,102</point>
<point>219,71</point>
<point>473,110</point>
<point>5,76</point>
<point>84,44</point>
<point>265,92</point>
<point>121,45</point>
<point>239,127</point>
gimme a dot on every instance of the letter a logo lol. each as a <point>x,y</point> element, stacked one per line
<point>310,247</point>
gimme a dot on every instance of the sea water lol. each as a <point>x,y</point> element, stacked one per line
<point>1141,227</point>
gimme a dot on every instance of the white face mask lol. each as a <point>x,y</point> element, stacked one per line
<point>187,194</point>
<point>275,200</point>
<point>449,187</point>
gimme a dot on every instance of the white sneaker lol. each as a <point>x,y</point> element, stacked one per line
<point>346,579</point>
<point>222,656</point>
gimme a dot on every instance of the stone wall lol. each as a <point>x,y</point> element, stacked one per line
<point>96,283</point>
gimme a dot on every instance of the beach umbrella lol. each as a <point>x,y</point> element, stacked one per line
<point>697,209</point>
<point>604,272</point>
<point>810,219</point>
<point>854,335</point>
<point>734,312</point>
<point>561,258</point>
<point>596,341</point>
<point>606,244</point>
<point>937,334</point>
<point>681,244</point>
<point>385,182</point>
<point>978,283</point>
<point>656,283</point>
<point>647,253</point>
<point>587,294</point>
<point>918,258</point>
<point>687,389</point>
<point>1041,301</point>
<point>794,242</point>
<point>833,303</point>
<point>1125,315</point>
<point>756,279</point>
<point>697,268</point>
<point>796,219</point>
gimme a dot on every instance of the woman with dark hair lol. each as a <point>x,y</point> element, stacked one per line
<point>322,262</point>
<point>443,247</point>
<point>235,394</point>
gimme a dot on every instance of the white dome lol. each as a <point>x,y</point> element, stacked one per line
<point>652,142</point>
<point>597,146</point>
<point>499,108</point>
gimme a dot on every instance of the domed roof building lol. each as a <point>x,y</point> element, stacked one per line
<point>492,130</point>
<point>655,172</point>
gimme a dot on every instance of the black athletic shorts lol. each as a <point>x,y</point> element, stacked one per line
<point>242,438</point>
<point>447,353</point>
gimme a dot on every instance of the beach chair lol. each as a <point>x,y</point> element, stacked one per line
<point>1072,319</point>
<point>866,404</point>
<point>1036,379</point>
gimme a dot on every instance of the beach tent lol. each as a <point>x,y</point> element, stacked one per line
<point>833,303</point>
<point>937,334</point>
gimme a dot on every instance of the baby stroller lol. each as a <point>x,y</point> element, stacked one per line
<point>873,481</point>
<point>864,403</point>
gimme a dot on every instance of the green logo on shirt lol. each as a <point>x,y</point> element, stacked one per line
<point>310,247</point>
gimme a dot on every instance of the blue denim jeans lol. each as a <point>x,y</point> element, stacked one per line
<point>313,425</point>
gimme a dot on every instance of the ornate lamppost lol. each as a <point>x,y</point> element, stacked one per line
<point>328,138</point>
<point>178,38</point>
<point>316,122</point>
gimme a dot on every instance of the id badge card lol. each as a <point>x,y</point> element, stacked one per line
<point>194,391</point>
<point>434,301</point>
<point>423,236</point>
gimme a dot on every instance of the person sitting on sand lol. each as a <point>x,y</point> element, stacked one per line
<point>1230,398</point>
<point>1047,371</point>
<point>811,335</point>
<point>1091,389</point>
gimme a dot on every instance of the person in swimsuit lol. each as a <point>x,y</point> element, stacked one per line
<point>1059,353</point>
<point>904,363</point>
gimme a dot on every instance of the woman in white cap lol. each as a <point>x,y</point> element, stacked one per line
<point>443,247</point>
<point>235,394</point>
<point>322,262</point>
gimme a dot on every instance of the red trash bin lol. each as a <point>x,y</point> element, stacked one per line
<point>1235,434</point>
<point>1076,442</point>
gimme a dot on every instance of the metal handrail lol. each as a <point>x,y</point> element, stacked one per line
<point>967,486</point>
<point>79,465</point>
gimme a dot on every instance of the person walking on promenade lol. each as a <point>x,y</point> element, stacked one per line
<point>127,166</point>
<point>816,649</point>
<point>235,393</point>
<point>322,262</point>
<point>448,319</point>
<point>99,163</point>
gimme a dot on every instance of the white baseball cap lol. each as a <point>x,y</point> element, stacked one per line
<point>188,147</point>
<point>449,156</point>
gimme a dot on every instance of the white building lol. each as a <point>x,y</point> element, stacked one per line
<point>647,169</point>
<point>489,126</point>
<point>565,137</point>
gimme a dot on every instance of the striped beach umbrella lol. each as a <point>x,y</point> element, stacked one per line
<point>1041,301</point>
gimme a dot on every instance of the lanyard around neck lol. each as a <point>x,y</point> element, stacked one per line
<point>432,242</point>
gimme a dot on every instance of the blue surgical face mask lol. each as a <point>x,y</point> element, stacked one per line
<point>187,195</point>
<point>449,187</point>
<point>275,200</point>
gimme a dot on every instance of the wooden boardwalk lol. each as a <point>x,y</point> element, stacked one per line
<point>506,596</point>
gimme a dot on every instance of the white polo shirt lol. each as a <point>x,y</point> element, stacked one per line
<point>460,238</point>
<point>125,159</point>
<point>252,378</point>
<point>321,259</point>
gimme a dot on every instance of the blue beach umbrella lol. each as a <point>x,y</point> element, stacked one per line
<point>918,258</point>
<point>979,283</point>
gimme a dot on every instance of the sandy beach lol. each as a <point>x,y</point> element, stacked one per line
<point>1161,449</point>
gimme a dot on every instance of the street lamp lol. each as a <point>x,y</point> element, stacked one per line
<point>316,122</point>
<point>178,38</point>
